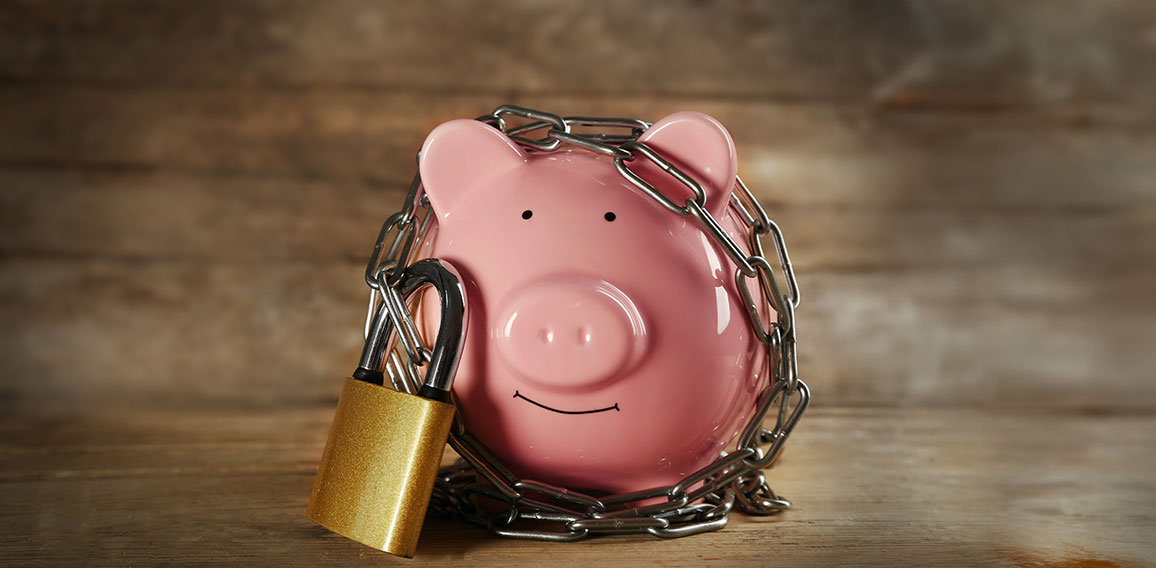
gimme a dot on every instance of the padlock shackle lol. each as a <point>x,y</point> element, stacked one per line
<point>447,348</point>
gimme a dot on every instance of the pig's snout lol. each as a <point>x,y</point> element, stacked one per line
<point>572,333</point>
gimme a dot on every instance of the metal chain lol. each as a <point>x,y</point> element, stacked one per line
<point>701,501</point>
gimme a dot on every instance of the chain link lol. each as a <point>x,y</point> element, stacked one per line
<point>700,502</point>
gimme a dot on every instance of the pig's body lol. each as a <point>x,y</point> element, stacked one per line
<point>608,347</point>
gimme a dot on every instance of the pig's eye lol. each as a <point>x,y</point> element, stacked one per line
<point>610,216</point>
<point>527,214</point>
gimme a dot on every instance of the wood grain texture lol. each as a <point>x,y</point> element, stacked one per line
<point>947,258</point>
<point>207,218</point>
<point>981,54</point>
<point>94,331</point>
<point>871,487</point>
<point>372,136</point>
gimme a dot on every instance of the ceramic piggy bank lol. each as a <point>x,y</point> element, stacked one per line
<point>608,349</point>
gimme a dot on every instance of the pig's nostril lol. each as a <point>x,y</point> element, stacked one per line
<point>546,335</point>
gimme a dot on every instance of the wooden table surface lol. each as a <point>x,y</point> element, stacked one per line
<point>871,486</point>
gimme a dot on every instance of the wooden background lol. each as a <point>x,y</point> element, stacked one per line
<point>188,191</point>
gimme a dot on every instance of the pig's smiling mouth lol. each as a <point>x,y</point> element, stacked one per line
<point>540,405</point>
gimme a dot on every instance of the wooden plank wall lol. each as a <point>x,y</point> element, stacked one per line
<point>188,189</point>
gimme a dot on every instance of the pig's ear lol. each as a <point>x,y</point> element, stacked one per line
<point>458,155</point>
<point>700,146</point>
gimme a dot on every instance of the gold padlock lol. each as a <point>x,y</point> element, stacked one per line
<point>381,459</point>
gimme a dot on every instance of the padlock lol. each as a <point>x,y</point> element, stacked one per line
<point>381,459</point>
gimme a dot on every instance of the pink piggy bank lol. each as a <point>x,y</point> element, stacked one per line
<point>608,347</point>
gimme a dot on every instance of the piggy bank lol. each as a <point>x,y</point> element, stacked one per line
<point>608,348</point>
